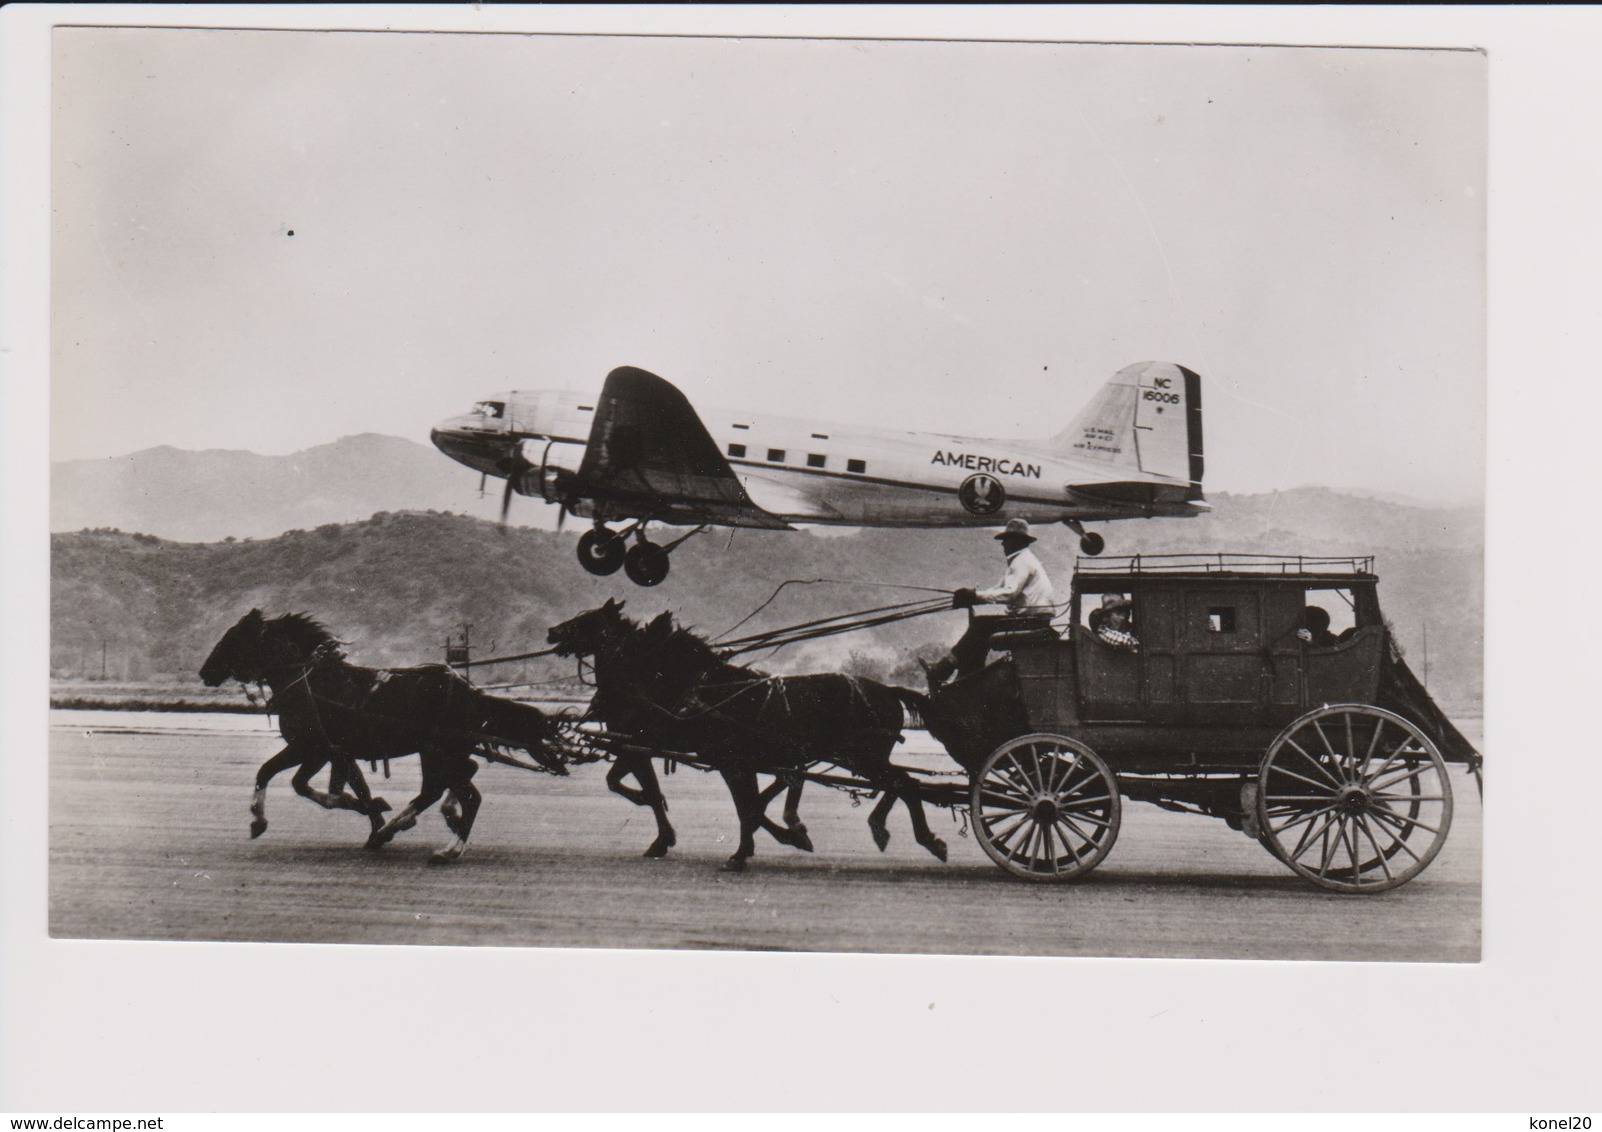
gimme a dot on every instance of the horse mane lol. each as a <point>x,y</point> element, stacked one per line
<point>670,644</point>
<point>301,632</point>
<point>676,645</point>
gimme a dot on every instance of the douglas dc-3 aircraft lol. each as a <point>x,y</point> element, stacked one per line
<point>640,454</point>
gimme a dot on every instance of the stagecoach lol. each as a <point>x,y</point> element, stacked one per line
<point>1238,703</point>
<point>1266,691</point>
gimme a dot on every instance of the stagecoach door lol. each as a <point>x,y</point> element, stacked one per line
<point>1237,657</point>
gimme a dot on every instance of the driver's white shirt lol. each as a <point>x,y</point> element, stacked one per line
<point>1024,588</point>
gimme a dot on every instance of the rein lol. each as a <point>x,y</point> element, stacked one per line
<point>833,625</point>
<point>944,594</point>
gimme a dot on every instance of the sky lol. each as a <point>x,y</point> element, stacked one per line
<point>268,240</point>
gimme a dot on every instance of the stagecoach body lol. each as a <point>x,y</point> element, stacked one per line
<point>1328,751</point>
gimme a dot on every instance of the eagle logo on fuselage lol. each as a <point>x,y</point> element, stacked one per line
<point>982,494</point>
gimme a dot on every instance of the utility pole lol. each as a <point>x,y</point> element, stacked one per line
<point>1426,655</point>
<point>461,654</point>
<point>102,658</point>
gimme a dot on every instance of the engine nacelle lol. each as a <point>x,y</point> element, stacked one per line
<point>558,463</point>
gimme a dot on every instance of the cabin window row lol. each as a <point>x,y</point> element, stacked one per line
<point>814,459</point>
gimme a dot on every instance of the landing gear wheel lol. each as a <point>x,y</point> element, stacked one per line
<point>1092,544</point>
<point>600,552</point>
<point>1354,798</point>
<point>646,564</point>
<point>1045,808</point>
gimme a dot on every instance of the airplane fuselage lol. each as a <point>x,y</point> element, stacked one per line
<point>803,471</point>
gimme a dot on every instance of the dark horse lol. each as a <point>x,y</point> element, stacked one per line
<point>667,688</point>
<point>622,710</point>
<point>331,711</point>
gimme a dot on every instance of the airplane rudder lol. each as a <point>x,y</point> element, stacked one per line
<point>1193,422</point>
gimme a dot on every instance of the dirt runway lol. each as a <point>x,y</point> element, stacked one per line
<point>149,840</point>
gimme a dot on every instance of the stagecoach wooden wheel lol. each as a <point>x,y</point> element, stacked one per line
<point>1045,808</point>
<point>1354,798</point>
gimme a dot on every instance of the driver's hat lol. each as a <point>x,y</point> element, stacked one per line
<point>1016,528</point>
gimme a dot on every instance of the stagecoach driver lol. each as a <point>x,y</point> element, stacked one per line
<point>1026,592</point>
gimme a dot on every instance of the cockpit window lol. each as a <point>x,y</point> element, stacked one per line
<point>493,409</point>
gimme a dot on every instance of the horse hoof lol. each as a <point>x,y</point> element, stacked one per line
<point>257,828</point>
<point>937,847</point>
<point>734,865</point>
<point>881,837</point>
<point>799,838</point>
<point>377,841</point>
<point>657,849</point>
<point>444,857</point>
<point>379,806</point>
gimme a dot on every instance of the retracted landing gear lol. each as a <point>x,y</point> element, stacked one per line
<point>1089,541</point>
<point>605,551</point>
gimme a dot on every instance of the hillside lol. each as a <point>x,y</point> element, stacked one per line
<point>396,585</point>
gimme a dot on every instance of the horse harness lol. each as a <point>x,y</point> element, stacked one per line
<point>695,705</point>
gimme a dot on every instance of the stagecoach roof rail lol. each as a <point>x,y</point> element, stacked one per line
<point>1228,562</point>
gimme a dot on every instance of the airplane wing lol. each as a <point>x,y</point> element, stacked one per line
<point>649,456</point>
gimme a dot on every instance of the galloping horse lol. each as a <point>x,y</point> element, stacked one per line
<point>331,711</point>
<point>668,688</point>
<point>618,705</point>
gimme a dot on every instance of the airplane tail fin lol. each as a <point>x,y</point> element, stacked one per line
<point>1146,420</point>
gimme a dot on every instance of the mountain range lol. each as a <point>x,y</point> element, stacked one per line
<point>367,534</point>
<point>211,495</point>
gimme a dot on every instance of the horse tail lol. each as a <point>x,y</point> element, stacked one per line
<point>520,725</point>
<point>929,716</point>
<point>918,703</point>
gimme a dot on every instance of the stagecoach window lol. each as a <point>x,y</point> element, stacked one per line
<point>736,450</point>
<point>1221,619</point>
<point>816,461</point>
<point>776,455</point>
<point>858,466</point>
<point>1340,604</point>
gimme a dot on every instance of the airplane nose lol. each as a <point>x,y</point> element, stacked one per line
<point>447,440</point>
<point>467,445</point>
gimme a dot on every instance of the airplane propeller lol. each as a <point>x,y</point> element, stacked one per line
<point>506,497</point>
<point>512,466</point>
<point>515,466</point>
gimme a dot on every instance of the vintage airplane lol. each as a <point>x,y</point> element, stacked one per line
<point>640,454</point>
